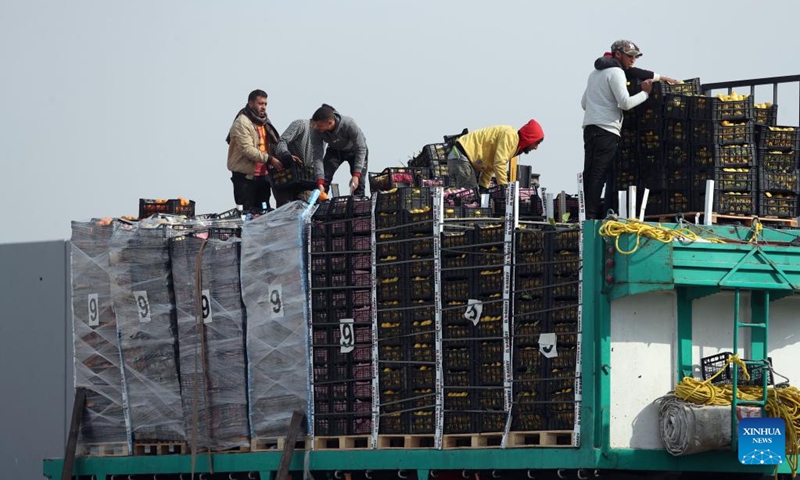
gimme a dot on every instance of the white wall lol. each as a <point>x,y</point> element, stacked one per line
<point>643,353</point>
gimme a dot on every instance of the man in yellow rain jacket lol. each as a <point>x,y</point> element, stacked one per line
<point>488,151</point>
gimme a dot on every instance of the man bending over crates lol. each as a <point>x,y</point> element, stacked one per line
<point>604,99</point>
<point>251,140</point>
<point>487,152</point>
<point>300,145</point>
<point>346,143</point>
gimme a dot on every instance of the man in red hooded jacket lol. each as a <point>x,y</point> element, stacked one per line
<point>488,152</point>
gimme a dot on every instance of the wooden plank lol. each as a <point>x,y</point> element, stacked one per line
<point>295,427</point>
<point>74,428</point>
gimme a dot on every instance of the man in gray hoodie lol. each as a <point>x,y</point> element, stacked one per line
<point>346,143</point>
<point>605,98</point>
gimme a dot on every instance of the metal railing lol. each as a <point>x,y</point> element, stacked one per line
<point>707,88</point>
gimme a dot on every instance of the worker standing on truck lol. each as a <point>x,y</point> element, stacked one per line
<point>301,144</point>
<point>488,152</point>
<point>604,99</point>
<point>346,143</point>
<point>251,141</point>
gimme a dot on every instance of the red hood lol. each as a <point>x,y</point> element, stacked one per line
<point>530,134</point>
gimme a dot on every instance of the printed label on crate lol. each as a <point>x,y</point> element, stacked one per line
<point>548,344</point>
<point>347,340</point>
<point>205,301</point>
<point>276,307</point>
<point>581,199</point>
<point>93,306</point>
<point>474,311</point>
<point>762,441</point>
<point>142,305</point>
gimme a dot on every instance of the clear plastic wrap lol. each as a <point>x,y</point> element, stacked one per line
<point>141,287</point>
<point>212,357</point>
<point>96,349</point>
<point>274,293</point>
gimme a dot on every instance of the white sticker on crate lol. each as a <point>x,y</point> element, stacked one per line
<point>548,344</point>
<point>205,303</point>
<point>347,340</point>
<point>276,307</point>
<point>94,310</point>
<point>142,305</point>
<point>474,311</point>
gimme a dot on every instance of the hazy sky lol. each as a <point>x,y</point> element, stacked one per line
<point>104,102</point>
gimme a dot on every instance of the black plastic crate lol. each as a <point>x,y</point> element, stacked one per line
<point>656,202</point>
<point>456,266</point>
<point>390,270</point>
<point>293,176</point>
<point>423,398</point>
<point>488,281</point>
<point>770,181</point>
<point>735,156</point>
<point>689,86</point>
<point>490,374</point>
<point>339,207</point>
<point>430,154</point>
<point>629,137</point>
<point>527,330</point>
<point>779,138</point>
<point>420,288</point>
<point>678,179</point>
<point>564,239</point>
<point>359,243</point>
<point>650,114</point>
<point>461,197</point>
<point>419,246</point>
<point>391,178</point>
<point>457,399</point>
<point>531,285</point>
<point>732,109</point>
<point>421,331</point>
<point>677,131</point>
<point>489,351</point>
<point>627,158</point>
<point>485,236</point>
<point>390,289</point>
<point>458,378</point>
<point>360,226</point>
<point>422,421</point>
<point>391,353</point>
<point>389,201</point>
<point>174,206</point>
<point>736,179</point>
<point>419,221</point>
<point>389,246</point>
<point>393,423</point>
<point>330,425</point>
<point>735,133</point>
<point>530,263</point>
<point>778,161</point>
<point>701,107</point>
<point>782,205</point>
<point>566,263</point>
<point>527,358</point>
<point>459,422</point>
<point>389,221</point>
<point>676,155</point>
<point>650,139</point>
<point>323,280</point>
<point>422,376</point>
<point>491,421</point>
<point>766,114</point>
<point>702,155</point>
<point>420,268</point>
<point>529,240</point>
<point>421,311</point>
<point>391,378</point>
<point>702,131</point>
<point>489,326</point>
<point>560,417</point>
<point>712,364</point>
<point>523,420</point>
<point>676,106</point>
<point>330,373</point>
<point>422,352</point>
<point>565,288</point>
<point>390,331</point>
<point>735,203</point>
<point>455,290</point>
<point>457,357</point>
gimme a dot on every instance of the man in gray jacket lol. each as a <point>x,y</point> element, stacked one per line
<point>346,143</point>
<point>605,98</point>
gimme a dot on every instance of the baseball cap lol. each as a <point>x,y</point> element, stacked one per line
<point>627,47</point>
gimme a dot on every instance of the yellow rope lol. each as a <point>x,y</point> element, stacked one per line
<point>782,403</point>
<point>614,228</point>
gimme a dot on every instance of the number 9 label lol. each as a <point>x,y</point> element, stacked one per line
<point>94,310</point>
<point>275,301</point>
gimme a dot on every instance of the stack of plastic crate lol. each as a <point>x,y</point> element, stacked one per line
<point>405,316</point>
<point>778,170</point>
<point>433,158</point>
<point>341,316</point>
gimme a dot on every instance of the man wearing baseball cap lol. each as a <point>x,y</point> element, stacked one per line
<point>633,73</point>
<point>604,99</point>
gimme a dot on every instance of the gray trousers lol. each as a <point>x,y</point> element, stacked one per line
<point>460,170</point>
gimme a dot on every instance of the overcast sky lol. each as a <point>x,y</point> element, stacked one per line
<point>104,102</point>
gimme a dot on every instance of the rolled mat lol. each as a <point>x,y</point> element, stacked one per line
<point>687,428</point>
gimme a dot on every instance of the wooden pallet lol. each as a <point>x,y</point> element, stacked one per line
<point>349,442</point>
<point>405,441</point>
<point>548,438</point>
<point>107,449</point>
<point>275,443</point>
<point>472,440</point>
<point>721,219</point>
<point>160,448</point>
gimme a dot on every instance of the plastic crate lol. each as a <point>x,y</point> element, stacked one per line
<point>420,288</point>
<point>736,179</point>
<point>490,421</point>
<point>293,176</point>
<point>566,263</point>
<point>456,266</point>
<point>391,221</point>
<point>689,86</point>
<point>419,246</point>
<point>461,196</point>
<point>735,156</point>
<point>430,154</point>
<point>525,420</point>
<point>488,281</point>
<point>485,236</point>
<point>421,376</point>
<point>455,290</point>
<point>459,357</point>
<point>389,290</point>
<point>701,107</point>
<point>777,161</point>
<point>678,178</point>
<point>650,140</point>
<point>420,221</point>
<point>393,423</point>
<point>394,177</point>
<point>530,263</point>
<point>734,203</point>
<point>702,131</point>
<point>567,239</point>
<point>630,138</point>
<point>565,288</point>
<point>490,374</point>
<point>175,206</point>
<point>458,378</point>
<point>529,240</point>
<point>786,182</point>
<point>782,205</point>
<point>649,114</point>
<point>416,198</point>
<point>676,155</point>
<point>677,131</point>
<point>676,106</point>
<point>422,331</point>
<point>388,247</point>
<point>765,115</point>
<point>712,364</point>
<point>456,242</point>
<point>420,268</point>
<point>732,110</point>
<point>627,158</point>
<point>779,138</point>
<point>702,155</point>
<point>736,134</point>
<point>459,422</point>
